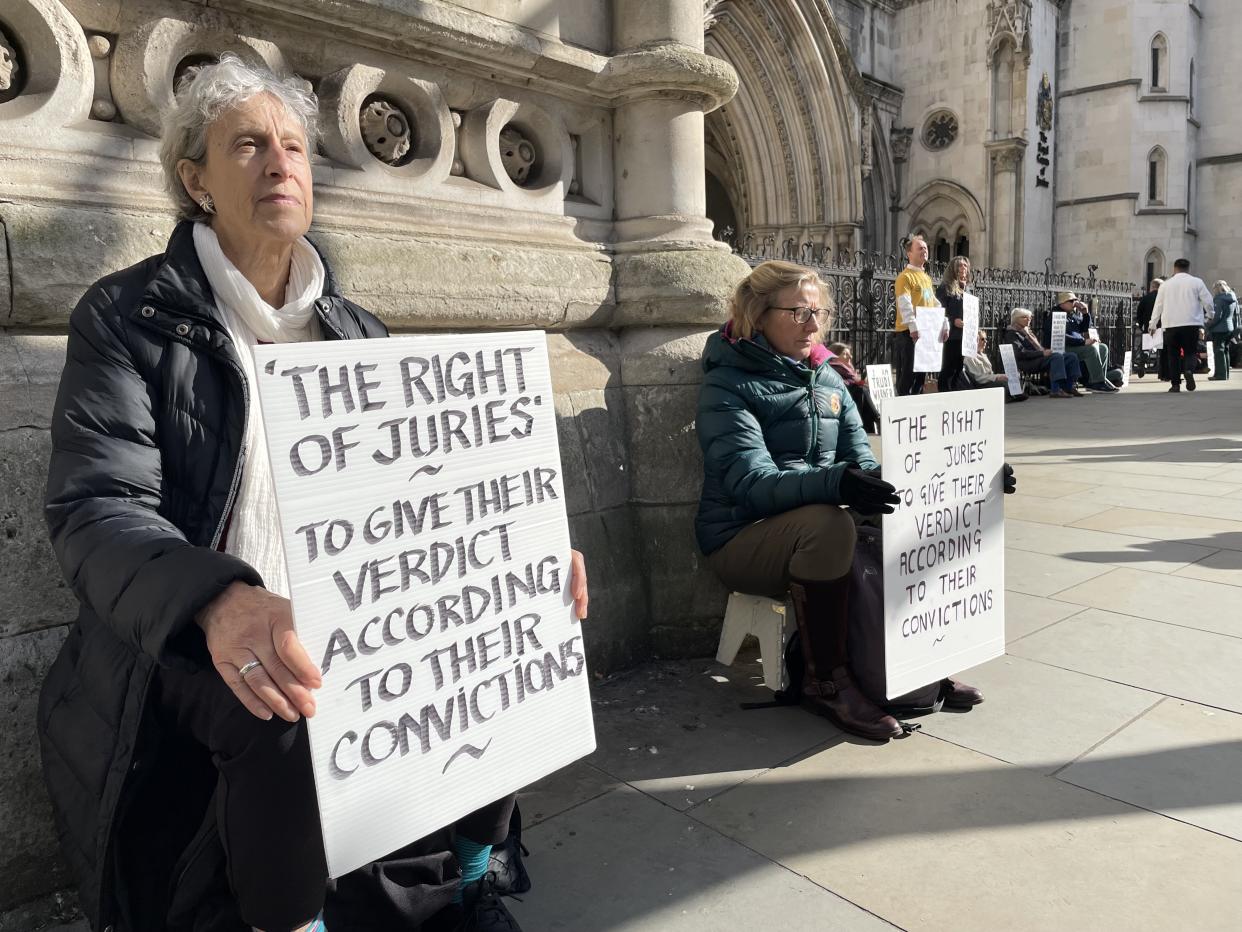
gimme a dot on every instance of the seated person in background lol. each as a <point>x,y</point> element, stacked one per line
<point>842,362</point>
<point>1063,368</point>
<point>979,372</point>
<point>783,451</point>
<point>1078,340</point>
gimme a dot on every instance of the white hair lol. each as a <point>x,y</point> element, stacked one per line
<point>1220,287</point>
<point>203,96</point>
<point>1018,312</point>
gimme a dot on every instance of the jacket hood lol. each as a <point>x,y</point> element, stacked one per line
<point>725,349</point>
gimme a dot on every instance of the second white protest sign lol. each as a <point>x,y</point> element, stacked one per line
<point>944,546</point>
<point>422,509</point>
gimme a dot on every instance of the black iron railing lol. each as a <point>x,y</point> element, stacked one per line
<point>861,287</point>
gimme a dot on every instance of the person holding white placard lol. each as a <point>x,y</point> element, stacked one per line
<point>953,286</point>
<point>1081,340</point>
<point>979,372</point>
<point>1063,368</point>
<point>172,723</point>
<point>913,289</point>
<point>783,452</point>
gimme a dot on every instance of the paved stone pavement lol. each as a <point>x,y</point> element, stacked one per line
<point>1098,787</point>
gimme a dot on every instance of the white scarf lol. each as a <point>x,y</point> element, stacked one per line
<point>254,530</point>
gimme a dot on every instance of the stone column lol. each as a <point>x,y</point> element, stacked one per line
<point>1005,202</point>
<point>672,285</point>
<point>899,140</point>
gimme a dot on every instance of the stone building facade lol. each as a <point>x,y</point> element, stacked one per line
<point>1151,156</point>
<point>1022,132</point>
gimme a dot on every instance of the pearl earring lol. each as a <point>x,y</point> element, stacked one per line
<point>208,205</point>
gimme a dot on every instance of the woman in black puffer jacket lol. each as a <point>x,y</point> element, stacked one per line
<point>173,739</point>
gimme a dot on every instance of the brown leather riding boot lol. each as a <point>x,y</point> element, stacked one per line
<point>820,610</point>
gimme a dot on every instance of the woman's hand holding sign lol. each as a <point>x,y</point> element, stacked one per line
<point>578,583</point>
<point>255,650</point>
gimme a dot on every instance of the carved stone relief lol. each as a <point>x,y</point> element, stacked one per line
<point>386,131</point>
<point>899,139</point>
<point>517,153</point>
<point>9,65</point>
<point>45,70</point>
<point>1012,19</point>
<point>504,140</point>
<point>387,124</point>
<point>940,130</point>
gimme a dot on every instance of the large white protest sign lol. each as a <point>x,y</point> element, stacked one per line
<point>944,545</point>
<point>970,325</point>
<point>1093,334</point>
<point>1058,332</point>
<point>422,509</point>
<point>1125,367</point>
<point>1153,341</point>
<point>1211,358</point>
<point>928,348</point>
<point>880,384</point>
<point>1010,362</point>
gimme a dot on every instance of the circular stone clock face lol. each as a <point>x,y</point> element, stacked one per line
<point>940,130</point>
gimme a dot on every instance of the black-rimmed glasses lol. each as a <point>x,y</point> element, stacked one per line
<point>802,314</point>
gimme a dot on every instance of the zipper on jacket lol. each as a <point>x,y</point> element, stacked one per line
<point>235,482</point>
<point>810,390</point>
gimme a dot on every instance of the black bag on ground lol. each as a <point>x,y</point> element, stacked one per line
<point>865,641</point>
<point>866,634</point>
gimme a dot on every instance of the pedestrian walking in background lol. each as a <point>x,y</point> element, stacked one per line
<point>1142,317</point>
<point>1220,330</point>
<point>1181,305</point>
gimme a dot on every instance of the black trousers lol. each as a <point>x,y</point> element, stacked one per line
<point>1182,346</point>
<point>267,815</point>
<point>951,364</point>
<point>908,382</point>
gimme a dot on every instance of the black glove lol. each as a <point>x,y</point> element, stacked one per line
<point>867,494</point>
<point>1011,481</point>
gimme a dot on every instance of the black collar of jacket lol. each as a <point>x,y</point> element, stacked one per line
<point>178,300</point>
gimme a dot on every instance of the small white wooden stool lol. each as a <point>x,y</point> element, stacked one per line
<point>769,621</point>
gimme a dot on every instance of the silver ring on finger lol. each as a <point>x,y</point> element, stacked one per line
<point>248,667</point>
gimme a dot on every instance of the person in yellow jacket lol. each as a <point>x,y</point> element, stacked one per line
<point>913,288</point>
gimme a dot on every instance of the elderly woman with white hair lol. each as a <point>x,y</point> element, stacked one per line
<point>1063,369</point>
<point>173,721</point>
<point>1225,321</point>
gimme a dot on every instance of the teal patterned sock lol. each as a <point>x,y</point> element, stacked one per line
<point>473,858</point>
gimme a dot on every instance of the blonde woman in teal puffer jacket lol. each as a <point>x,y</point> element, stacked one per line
<point>783,451</point>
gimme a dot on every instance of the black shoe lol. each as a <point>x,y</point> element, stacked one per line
<point>1190,382</point>
<point>483,910</point>
<point>957,695</point>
